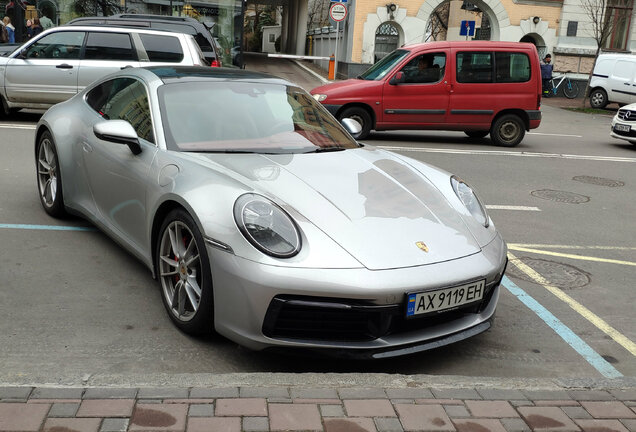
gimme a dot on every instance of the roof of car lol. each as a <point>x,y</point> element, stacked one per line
<point>170,74</point>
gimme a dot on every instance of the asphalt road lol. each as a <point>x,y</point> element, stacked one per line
<point>74,305</point>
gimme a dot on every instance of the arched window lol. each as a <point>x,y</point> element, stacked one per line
<point>386,40</point>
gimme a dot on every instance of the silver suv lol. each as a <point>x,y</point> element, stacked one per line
<point>61,61</point>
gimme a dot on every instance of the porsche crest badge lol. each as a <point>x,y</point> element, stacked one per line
<point>422,246</point>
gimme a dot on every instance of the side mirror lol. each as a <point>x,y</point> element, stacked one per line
<point>352,126</point>
<point>119,132</point>
<point>23,54</point>
<point>397,78</point>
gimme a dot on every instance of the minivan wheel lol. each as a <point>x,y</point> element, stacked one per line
<point>476,134</point>
<point>598,98</point>
<point>361,116</point>
<point>507,131</point>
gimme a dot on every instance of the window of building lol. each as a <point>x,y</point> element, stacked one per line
<point>618,19</point>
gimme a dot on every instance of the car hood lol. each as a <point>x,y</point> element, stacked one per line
<point>346,86</point>
<point>371,203</point>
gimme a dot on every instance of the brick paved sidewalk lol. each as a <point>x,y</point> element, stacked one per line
<point>316,409</point>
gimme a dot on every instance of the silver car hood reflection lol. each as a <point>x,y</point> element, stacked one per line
<point>379,209</point>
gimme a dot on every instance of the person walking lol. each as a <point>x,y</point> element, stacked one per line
<point>46,22</point>
<point>10,29</point>
<point>546,74</point>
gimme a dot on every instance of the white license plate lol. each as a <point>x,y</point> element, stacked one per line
<point>622,128</point>
<point>448,298</point>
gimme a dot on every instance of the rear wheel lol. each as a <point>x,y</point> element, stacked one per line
<point>476,134</point>
<point>598,98</point>
<point>184,273</point>
<point>48,176</point>
<point>507,131</point>
<point>361,116</point>
<point>571,89</point>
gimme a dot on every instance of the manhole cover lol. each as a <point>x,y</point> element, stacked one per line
<point>600,181</point>
<point>558,274</point>
<point>560,196</point>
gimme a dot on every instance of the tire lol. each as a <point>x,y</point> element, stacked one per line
<point>49,178</point>
<point>476,134</point>
<point>361,116</point>
<point>571,91</point>
<point>183,271</point>
<point>507,130</point>
<point>4,108</point>
<point>598,98</point>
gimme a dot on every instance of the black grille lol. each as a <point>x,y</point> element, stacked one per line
<point>346,320</point>
<point>627,115</point>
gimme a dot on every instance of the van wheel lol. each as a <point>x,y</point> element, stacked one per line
<point>507,131</point>
<point>361,116</point>
<point>598,98</point>
<point>476,134</point>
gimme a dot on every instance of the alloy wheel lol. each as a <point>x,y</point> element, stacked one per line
<point>47,173</point>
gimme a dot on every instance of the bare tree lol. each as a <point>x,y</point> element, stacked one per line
<point>605,16</point>
<point>318,13</point>
<point>96,7</point>
<point>438,23</point>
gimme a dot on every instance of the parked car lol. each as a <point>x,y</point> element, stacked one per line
<point>478,87</point>
<point>63,60</point>
<point>624,124</point>
<point>202,32</point>
<point>7,48</point>
<point>278,230</point>
<point>613,80</point>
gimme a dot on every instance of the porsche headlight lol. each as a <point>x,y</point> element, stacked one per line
<point>470,200</point>
<point>320,97</point>
<point>266,226</point>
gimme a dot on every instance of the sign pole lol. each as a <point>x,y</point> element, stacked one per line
<point>336,50</point>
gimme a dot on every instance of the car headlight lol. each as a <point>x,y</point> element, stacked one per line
<point>320,97</point>
<point>267,226</point>
<point>470,200</point>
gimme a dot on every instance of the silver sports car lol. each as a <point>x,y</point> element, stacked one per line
<point>264,220</point>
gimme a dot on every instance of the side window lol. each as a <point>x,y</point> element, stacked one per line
<point>123,99</point>
<point>425,68</point>
<point>474,67</point>
<point>512,67</point>
<point>162,48</point>
<point>109,46</point>
<point>58,45</point>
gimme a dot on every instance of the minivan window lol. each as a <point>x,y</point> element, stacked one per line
<point>512,67</point>
<point>381,68</point>
<point>109,46</point>
<point>162,48</point>
<point>425,69</point>
<point>58,45</point>
<point>474,67</point>
<point>477,67</point>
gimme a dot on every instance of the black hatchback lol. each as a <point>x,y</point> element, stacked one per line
<point>187,25</point>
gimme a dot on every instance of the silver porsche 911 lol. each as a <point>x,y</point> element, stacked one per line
<point>264,220</point>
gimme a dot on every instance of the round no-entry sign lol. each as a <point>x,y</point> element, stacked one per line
<point>338,11</point>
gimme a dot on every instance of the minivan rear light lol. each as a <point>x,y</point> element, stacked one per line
<point>539,101</point>
<point>215,63</point>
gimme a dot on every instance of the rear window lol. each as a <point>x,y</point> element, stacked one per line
<point>489,67</point>
<point>109,46</point>
<point>162,48</point>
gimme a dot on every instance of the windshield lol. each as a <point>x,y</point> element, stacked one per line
<point>233,116</point>
<point>381,68</point>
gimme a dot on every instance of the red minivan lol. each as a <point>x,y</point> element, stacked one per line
<point>478,87</point>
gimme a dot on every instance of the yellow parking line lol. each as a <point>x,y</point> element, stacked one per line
<point>579,308</point>
<point>554,246</point>
<point>572,256</point>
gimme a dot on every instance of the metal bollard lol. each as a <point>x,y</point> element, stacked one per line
<point>332,67</point>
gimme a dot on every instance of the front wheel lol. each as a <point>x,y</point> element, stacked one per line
<point>49,177</point>
<point>571,89</point>
<point>507,131</point>
<point>361,116</point>
<point>184,273</point>
<point>598,98</point>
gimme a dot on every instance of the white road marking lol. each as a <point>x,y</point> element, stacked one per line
<point>508,153</point>
<point>558,135</point>
<point>509,207</point>
<point>557,246</point>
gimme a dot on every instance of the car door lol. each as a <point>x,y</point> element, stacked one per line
<point>117,178</point>
<point>46,71</point>
<point>421,96</point>
<point>105,53</point>
<point>621,82</point>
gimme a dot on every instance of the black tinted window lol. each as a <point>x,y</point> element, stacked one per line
<point>123,99</point>
<point>109,46</point>
<point>162,48</point>
<point>474,67</point>
<point>512,67</point>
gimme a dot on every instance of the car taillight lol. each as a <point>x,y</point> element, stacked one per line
<point>215,63</point>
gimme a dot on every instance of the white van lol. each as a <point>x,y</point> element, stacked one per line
<point>614,80</point>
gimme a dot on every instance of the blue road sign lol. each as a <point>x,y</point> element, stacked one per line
<point>338,1</point>
<point>467,28</point>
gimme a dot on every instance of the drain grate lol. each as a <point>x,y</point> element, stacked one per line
<point>560,196</point>
<point>558,274</point>
<point>600,181</point>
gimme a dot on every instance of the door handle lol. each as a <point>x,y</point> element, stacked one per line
<point>86,147</point>
<point>64,66</point>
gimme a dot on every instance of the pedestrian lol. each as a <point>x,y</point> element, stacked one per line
<point>36,28</point>
<point>29,30</point>
<point>46,22</point>
<point>546,74</point>
<point>4,33</point>
<point>10,29</point>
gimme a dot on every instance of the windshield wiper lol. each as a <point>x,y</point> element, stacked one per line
<point>326,149</point>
